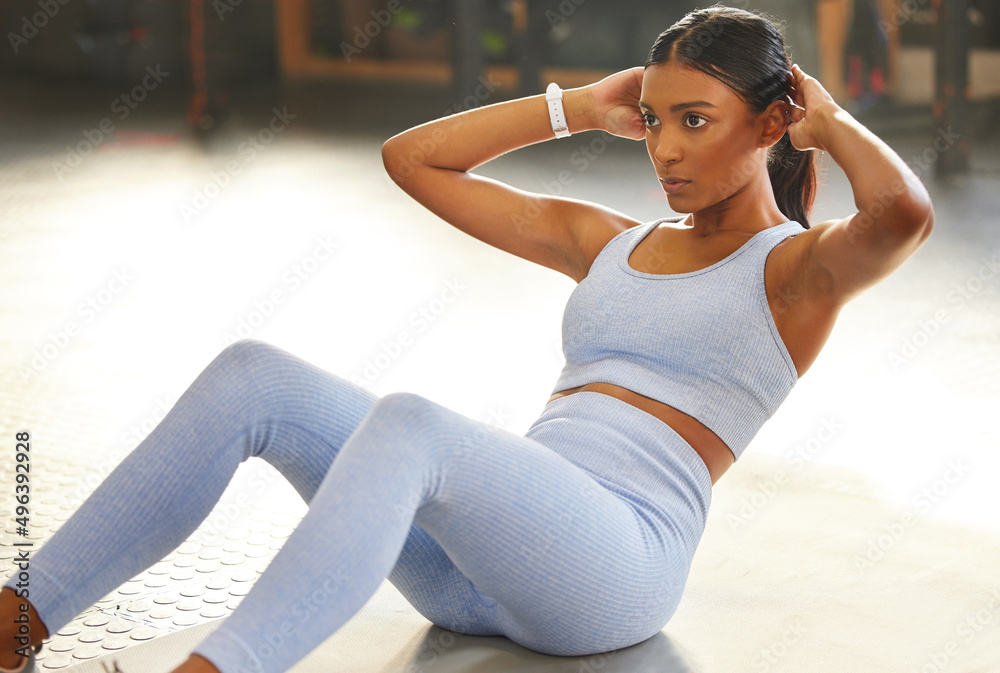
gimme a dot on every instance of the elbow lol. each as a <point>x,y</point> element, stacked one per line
<point>913,221</point>
<point>921,220</point>
<point>389,160</point>
<point>920,213</point>
<point>928,225</point>
<point>399,165</point>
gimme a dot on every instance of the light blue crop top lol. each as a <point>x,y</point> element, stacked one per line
<point>703,342</point>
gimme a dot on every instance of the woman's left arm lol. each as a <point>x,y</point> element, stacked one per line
<point>895,215</point>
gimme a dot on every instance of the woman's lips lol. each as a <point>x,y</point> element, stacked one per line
<point>673,187</point>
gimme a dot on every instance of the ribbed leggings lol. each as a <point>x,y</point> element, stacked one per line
<point>574,539</point>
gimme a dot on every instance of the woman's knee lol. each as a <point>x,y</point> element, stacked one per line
<point>245,354</point>
<point>409,413</point>
<point>403,408</point>
<point>244,381</point>
<point>246,361</point>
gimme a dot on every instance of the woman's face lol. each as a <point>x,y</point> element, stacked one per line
<point>710,145</point>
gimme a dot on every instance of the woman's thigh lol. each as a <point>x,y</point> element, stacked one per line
<point>561,563</point>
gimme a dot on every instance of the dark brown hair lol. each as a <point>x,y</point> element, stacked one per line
<point>746,52</point>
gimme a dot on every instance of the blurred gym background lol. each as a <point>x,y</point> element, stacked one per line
<point>881,56</point>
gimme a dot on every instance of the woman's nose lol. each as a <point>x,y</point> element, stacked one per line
<point>665,150</point>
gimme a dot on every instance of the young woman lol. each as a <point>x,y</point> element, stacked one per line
<point>682,338</point>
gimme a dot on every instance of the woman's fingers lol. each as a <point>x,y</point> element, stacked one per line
<point>797,77</point>
<point>795,93</point>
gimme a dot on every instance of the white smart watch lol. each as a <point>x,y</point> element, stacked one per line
<point>554,98</point>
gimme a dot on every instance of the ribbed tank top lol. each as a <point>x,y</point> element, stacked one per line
<point>704,342</point>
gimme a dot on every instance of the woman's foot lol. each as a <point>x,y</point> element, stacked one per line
<point>27,664</point>
<point>10,609</point>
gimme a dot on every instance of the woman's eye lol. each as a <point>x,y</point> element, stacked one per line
<point>695,117</point>
<point>648,119</point>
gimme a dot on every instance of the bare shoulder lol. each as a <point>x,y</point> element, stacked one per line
<point>836,260</point>
<point>593,227</point>
<point>846,256</point>
<point>791,265</point>
<point>593,235</point>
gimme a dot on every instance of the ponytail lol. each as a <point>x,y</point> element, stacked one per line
<point>793,179</point>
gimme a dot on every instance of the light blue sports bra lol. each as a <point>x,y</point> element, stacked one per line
<point>704,342</point>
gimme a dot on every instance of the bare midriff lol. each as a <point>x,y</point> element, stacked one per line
<point>717,456</point>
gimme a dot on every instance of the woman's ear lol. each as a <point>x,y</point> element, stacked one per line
<point>776,119</point>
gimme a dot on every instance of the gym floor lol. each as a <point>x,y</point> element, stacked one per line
<point>859,532</point>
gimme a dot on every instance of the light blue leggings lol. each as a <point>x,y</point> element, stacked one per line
<point>574,539</point>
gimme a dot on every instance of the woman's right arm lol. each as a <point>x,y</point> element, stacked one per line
<point>431,163</point>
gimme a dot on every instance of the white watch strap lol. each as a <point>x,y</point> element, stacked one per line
<point>554,98</point>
